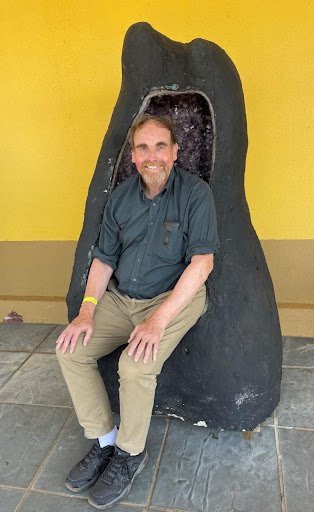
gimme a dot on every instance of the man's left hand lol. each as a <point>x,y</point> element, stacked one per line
<point>144,339</point>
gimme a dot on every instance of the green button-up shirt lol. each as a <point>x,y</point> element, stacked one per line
<point>150,242</point>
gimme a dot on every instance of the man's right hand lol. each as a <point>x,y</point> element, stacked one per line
<point>82,323</point>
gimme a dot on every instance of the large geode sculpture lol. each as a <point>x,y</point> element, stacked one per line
<point>226,372</point>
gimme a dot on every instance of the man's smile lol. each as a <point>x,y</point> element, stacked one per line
<point>153,166</point>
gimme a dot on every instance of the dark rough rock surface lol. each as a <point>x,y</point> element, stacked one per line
<point>226,372</point>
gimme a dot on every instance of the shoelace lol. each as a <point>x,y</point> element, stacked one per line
<point>113,468</point>
<point>93,451</point>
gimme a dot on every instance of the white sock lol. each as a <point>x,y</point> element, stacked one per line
<point>108,439</point>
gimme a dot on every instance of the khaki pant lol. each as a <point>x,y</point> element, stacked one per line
<point>115,317</point>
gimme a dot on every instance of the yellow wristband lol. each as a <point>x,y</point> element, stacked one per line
<point>90,299</point>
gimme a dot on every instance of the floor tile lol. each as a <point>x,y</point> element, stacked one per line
<point>202,473</point>
<point>296,407</point>
<point>24,337</point>
<point>38,381</point>
<point>26,435</point>
<point>298,351</point>
<point>49,345</point>
<point>9,498</point>
<point>9,362</point>
<point>297,448</point>
<point>73,446</point>
<point>46,503</point>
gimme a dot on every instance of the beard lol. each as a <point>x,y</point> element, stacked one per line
<point>154,178</point>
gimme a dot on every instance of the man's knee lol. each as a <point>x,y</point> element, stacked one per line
<point>64,358</point>
<point>77,356</point>
<point>133,371</point>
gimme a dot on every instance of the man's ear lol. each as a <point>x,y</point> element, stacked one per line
<point>132,155</point>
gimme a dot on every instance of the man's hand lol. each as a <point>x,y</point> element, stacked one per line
<point>144,339</point>
<point>98,279</point>
<point>82,323</point>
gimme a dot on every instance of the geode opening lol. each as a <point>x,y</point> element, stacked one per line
<point>194,127</point>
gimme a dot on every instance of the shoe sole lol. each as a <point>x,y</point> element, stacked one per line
<point>83,487</point>
<point>126,490</point>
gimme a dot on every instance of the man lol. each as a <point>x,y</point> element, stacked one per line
<point>145,288</point>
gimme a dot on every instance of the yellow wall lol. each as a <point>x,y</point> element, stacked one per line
<point>61,69</point>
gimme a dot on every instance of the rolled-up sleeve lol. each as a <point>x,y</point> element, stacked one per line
<point>108,248</point>
<point>202,224</point>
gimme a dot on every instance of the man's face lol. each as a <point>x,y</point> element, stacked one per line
<point>153,153</point>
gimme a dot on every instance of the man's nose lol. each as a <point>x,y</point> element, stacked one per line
<point>152,154</point>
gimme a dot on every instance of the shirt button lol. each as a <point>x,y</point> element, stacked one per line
<point>154,204</point>
<point>151,223</point>
<point>138,259</point>
<point>134,280</point>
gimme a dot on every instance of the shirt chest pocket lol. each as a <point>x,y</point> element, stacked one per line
<point>170,244</point>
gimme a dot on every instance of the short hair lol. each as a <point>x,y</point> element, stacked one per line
<point>164,121</point>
